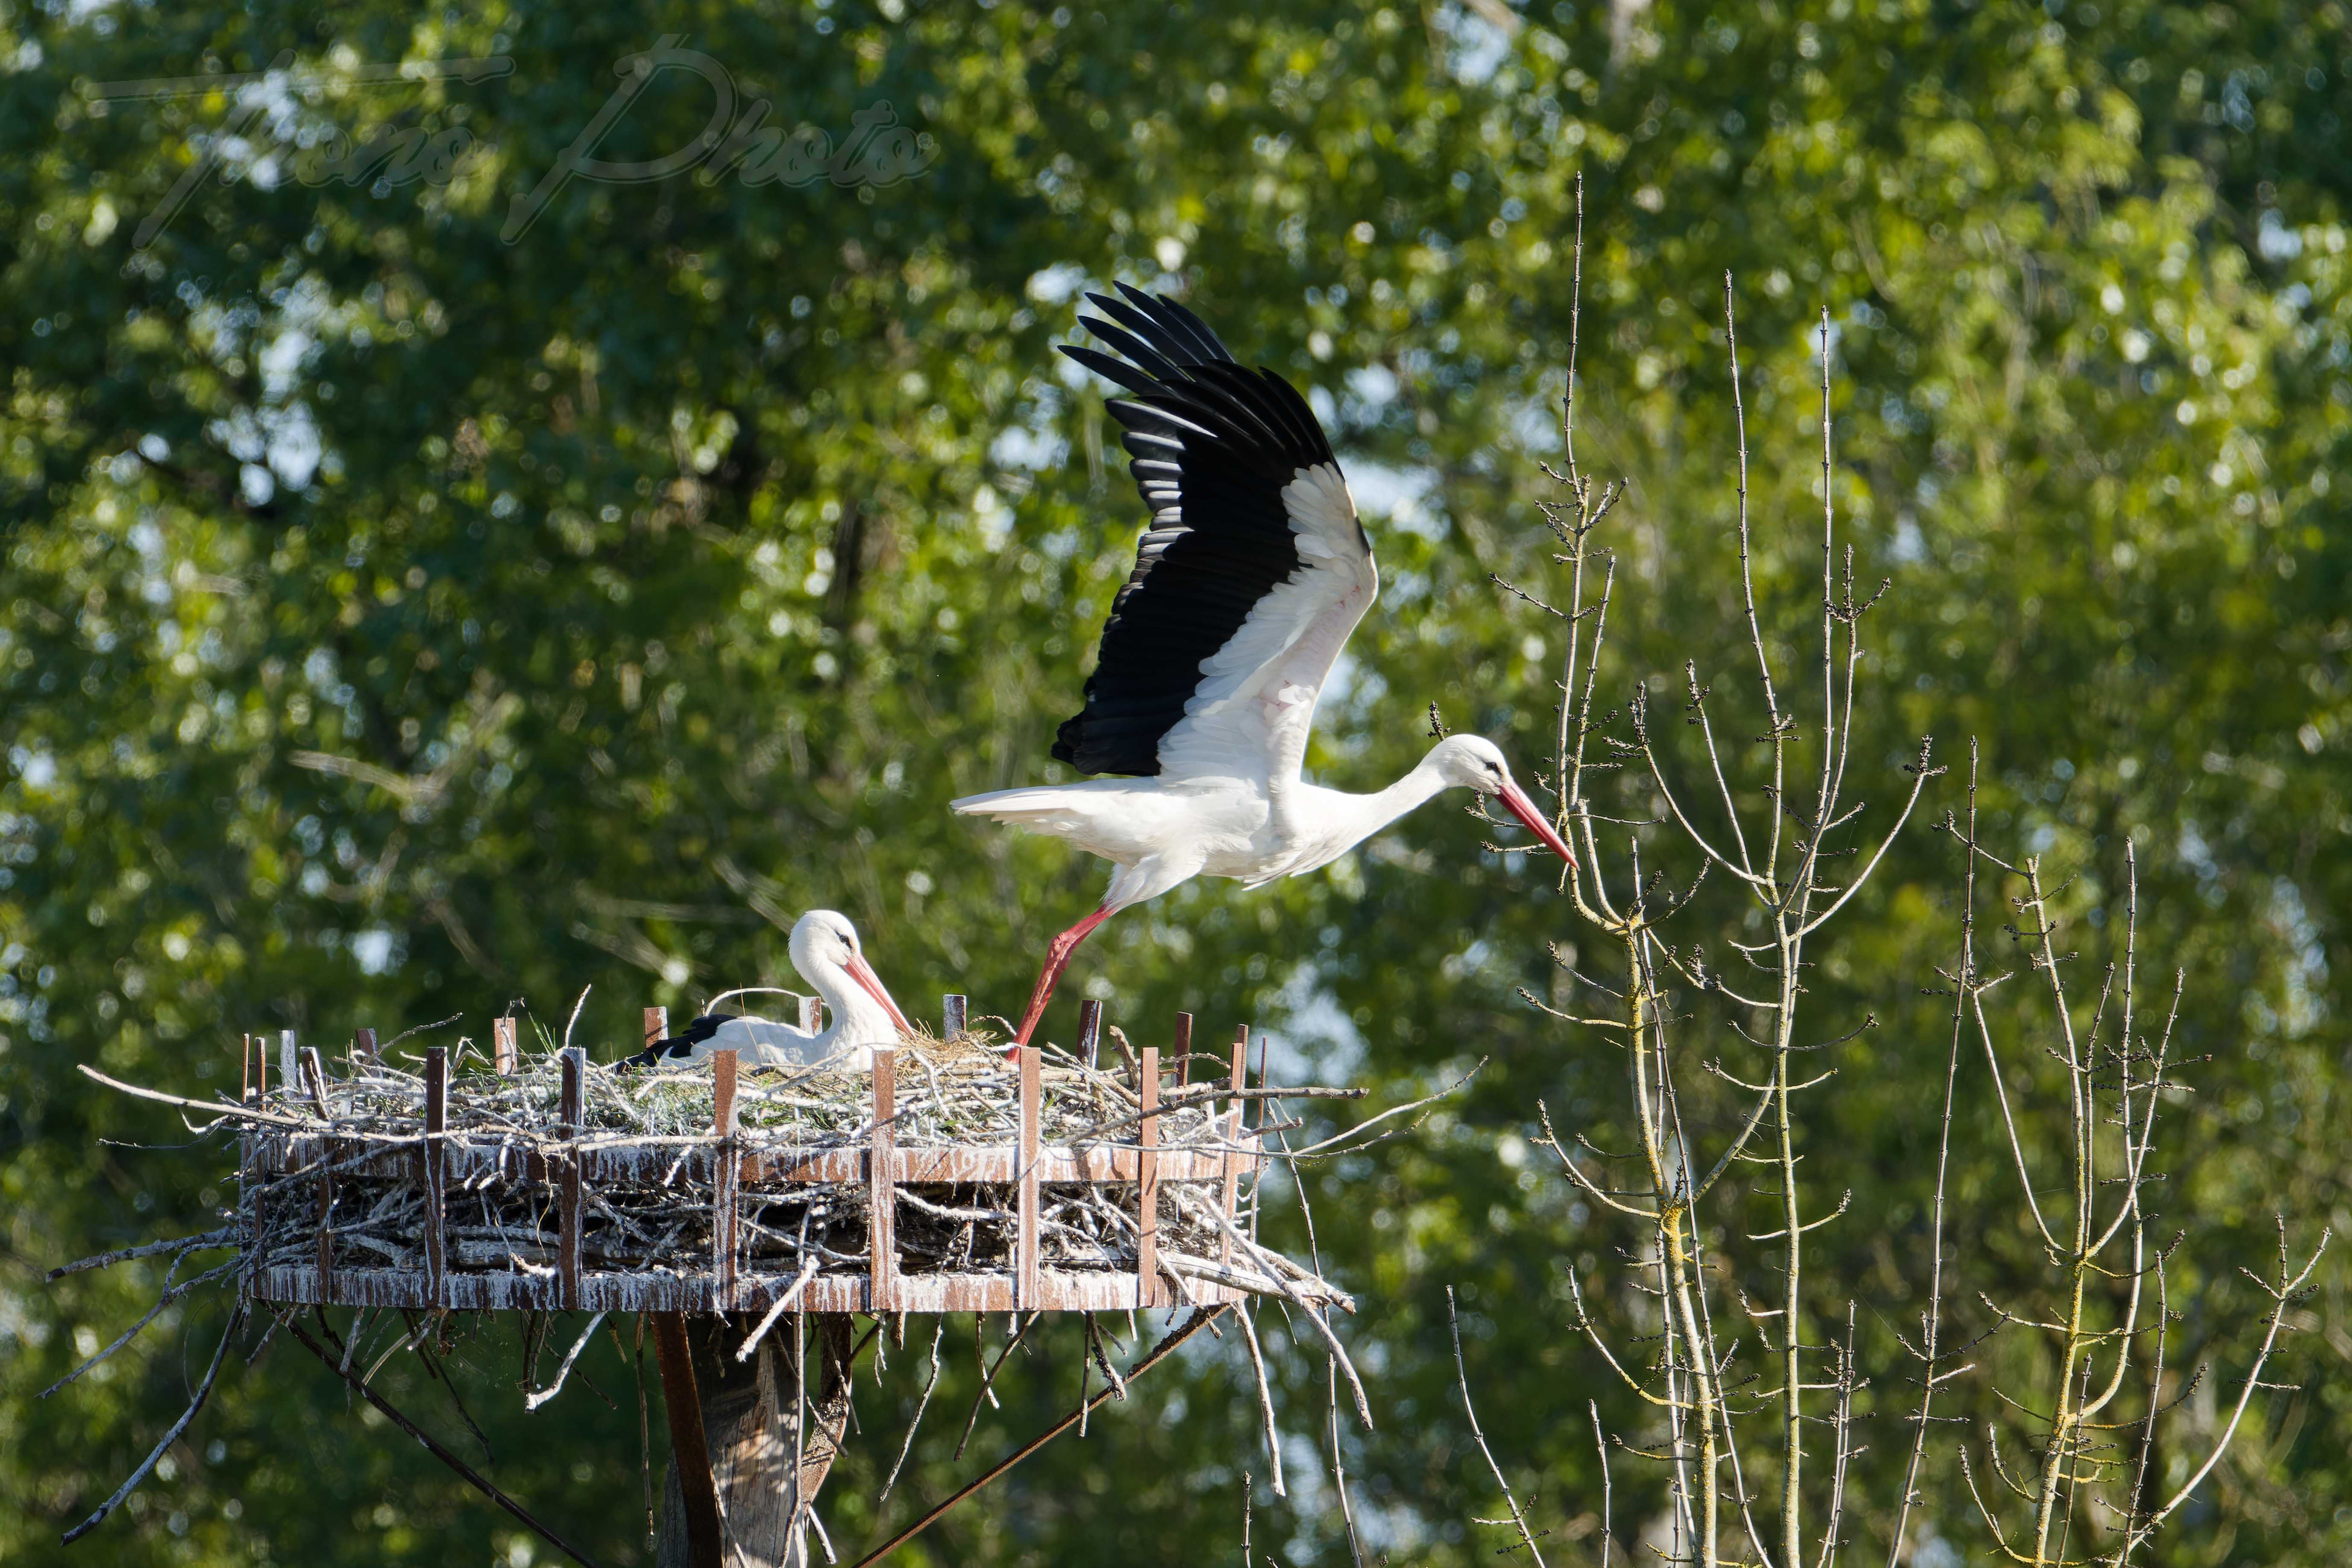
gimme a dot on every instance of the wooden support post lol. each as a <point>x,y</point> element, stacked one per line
<point>434,1158</point>
<point>502,1046</point>
<point>1147,1185</point>
<point>245,1090</point>
<point>1183,1050</point>
<point>364,1051</point>
<point>315,1079</point>
<point>1089,1030</point>
<point>260,1049</point>
<point>688,1445</point>
<point>951,1016</point>
<point>568,1239</point>
<point>812,1014</point>
<point>882,1189</point>
<point>726,1170</point>
<point>1232,1135</point>
<point>656,1025</point>
<point>1026,1291</point>
<point>289,1067</point>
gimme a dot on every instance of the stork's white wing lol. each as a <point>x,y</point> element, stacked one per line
<point>1250,577</point>
<point>1251,714</point>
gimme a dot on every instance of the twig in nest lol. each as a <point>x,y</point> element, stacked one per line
<point>165,1300</point>
<point>1339,1352</point>
<point>148,1250</point>
<point>203,1391</point>
<point>1102,1360</point>
<point>582,1002</point>
<point>236,1112</point>
<point>1200,1318</point>
<point>1127,1056</point>
<point>1265,1394</point>
<point>784,1302</point>
<point>533,1401</point>
<point>908,1447</point>
<point>385,1047</point>
<point>463,1471</point>
<point>987,1382</point>
<point>1338,1138</point>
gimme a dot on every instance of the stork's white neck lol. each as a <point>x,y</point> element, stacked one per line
<point>853,1017</point>
<point>1346,820</point>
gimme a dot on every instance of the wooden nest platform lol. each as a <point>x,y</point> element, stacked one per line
<point>949,1178</point>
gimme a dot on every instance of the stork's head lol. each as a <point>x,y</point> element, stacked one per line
<point>826,952</point>
<point>1470,762</point>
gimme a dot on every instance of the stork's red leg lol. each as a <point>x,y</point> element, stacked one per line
<point>1058,958</point>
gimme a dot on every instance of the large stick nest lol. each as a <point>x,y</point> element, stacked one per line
<point>656,1215</point>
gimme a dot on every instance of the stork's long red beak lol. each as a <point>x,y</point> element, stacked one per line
<point>863,972</point>
<point>1525,810</point>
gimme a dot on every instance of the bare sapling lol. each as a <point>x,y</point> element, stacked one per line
<point>1747,837</point>
<point>1785,841</point>
<point>2079,1484</point>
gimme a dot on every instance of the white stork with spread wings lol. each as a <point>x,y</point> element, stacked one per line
<point>1249,578</point>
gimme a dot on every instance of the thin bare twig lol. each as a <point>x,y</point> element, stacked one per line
<point>187,1418</point>
<point>1462,1373</point>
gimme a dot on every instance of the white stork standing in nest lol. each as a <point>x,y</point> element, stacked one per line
<point>826,952</point>
<point>1249,578</point>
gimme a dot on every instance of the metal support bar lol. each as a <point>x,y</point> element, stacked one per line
<point>568,1202</point>
<point>726,1177</point>
<point>434,1157</point>
<point>882,1188</point>
<point>951,1016</point>
<point>502,1046</point>
<point>1147,1185</point>
<point>1025,1246</point>
<point>657,1024</point>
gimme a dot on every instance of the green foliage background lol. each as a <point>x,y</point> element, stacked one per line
<point>712,535</point>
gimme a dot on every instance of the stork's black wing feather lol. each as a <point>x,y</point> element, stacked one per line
<point>680,1044</point>
<point>1211,446</point>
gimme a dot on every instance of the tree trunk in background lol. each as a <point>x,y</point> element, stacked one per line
<point>748,1417</point>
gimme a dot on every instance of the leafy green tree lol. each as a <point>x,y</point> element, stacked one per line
<point>398,620</point>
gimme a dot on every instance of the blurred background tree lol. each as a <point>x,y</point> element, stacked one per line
<point>396,620</point>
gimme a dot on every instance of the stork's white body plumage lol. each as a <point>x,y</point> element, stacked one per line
<point>860,1016</point>
<point>1251,576</point>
